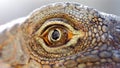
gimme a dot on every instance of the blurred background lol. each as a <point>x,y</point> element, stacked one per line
<point>13,9</point>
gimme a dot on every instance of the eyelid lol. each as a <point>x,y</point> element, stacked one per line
<point>53,23</point>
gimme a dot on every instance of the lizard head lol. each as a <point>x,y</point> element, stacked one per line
<point>69,35</point>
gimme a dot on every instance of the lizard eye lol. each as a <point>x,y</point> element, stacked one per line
<point>55,35</point>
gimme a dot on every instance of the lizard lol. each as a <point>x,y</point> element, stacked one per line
<point>61,35</point>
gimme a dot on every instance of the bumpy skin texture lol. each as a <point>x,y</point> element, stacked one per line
<point>85,37</point>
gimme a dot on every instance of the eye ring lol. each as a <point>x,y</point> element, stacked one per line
<point>67,33</point>
<point>63,36</point>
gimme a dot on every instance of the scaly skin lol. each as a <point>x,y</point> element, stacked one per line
<point>84,38</point>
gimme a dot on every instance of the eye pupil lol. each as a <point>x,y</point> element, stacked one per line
<point>55,34</point>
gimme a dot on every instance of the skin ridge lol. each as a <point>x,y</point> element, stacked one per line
<point>98,48</point>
